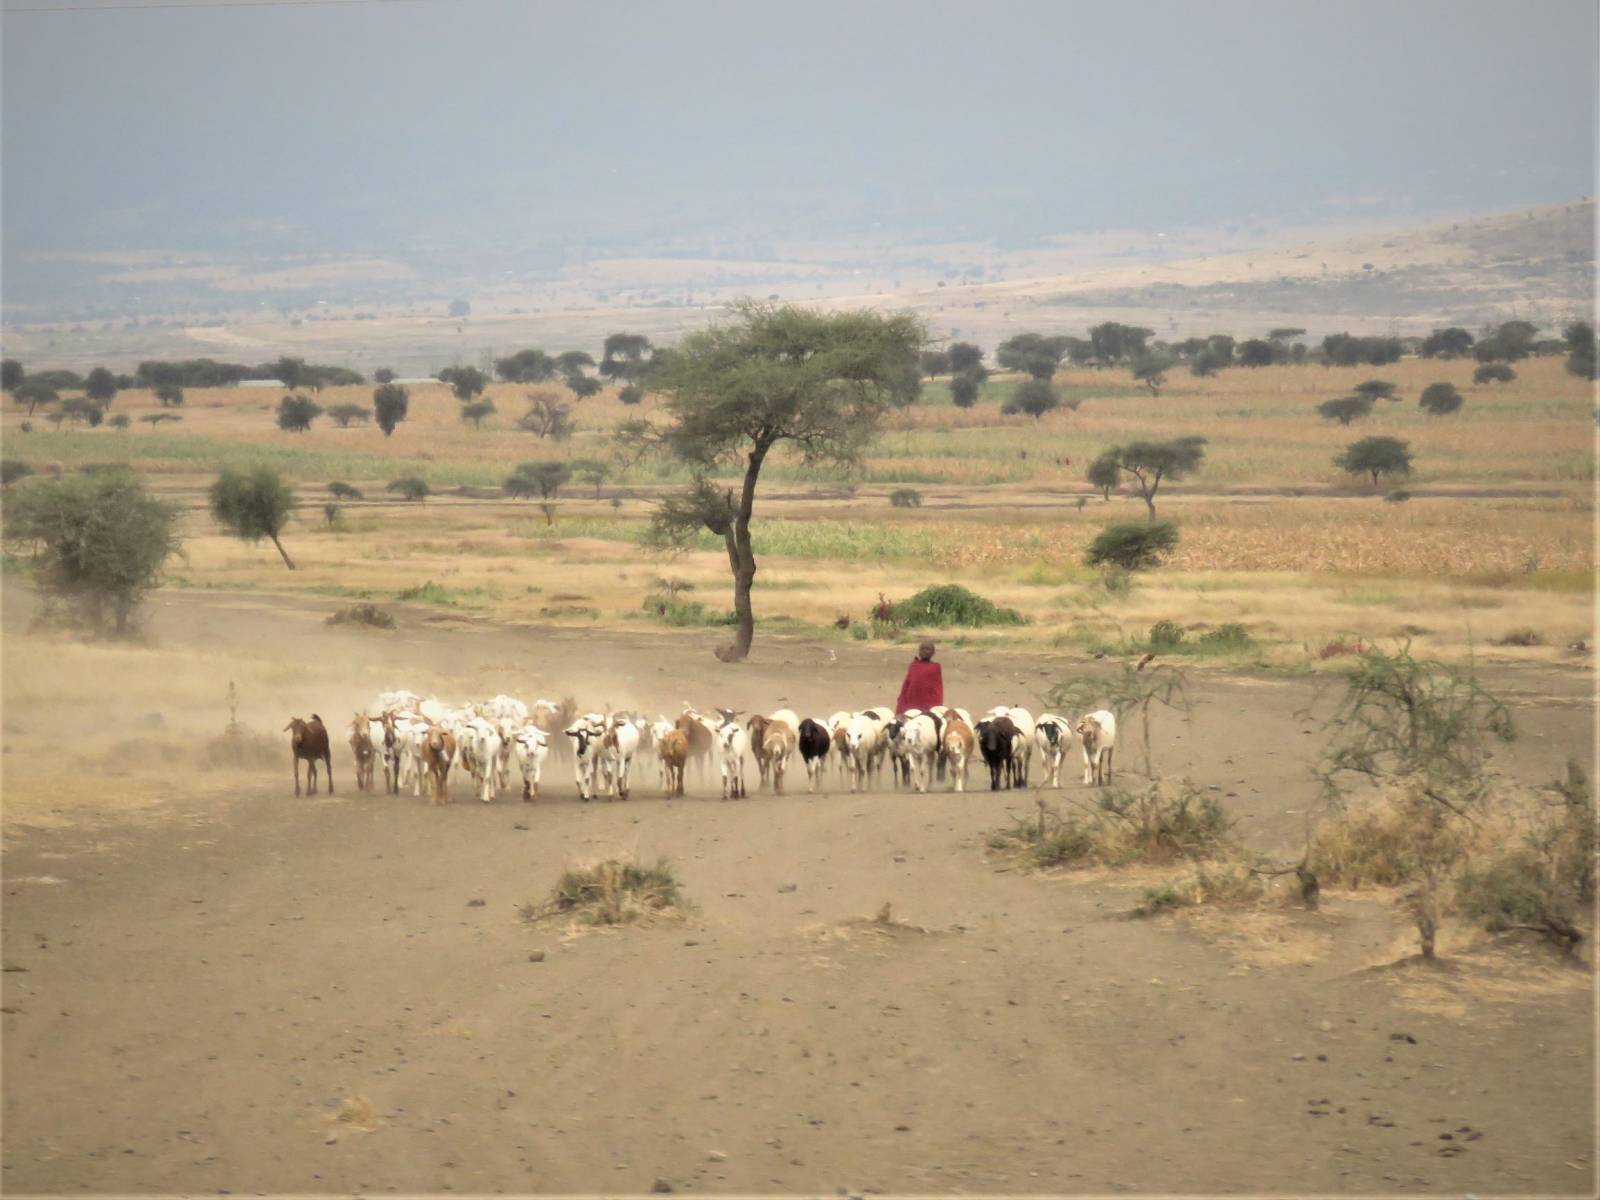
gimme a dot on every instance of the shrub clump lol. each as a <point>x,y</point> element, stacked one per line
<point>614,891</point>
<point>1163,823</point>
<point>363,614</point>
<point>1133,545</point>
<point>905,498</point>
<point>949,604</point>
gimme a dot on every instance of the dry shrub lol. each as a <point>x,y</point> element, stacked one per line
<point>1225,886</point>
<point>1367,842</point>
<point>613,891</point>
<point>363,614</point>
<point>1165,822</point>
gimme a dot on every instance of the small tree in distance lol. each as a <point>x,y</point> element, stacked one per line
<point>410,487</point>
<point>964,386</point>
<point>1440,399</point>
<point>345,414</point>
<point>1105,474</point>
<point>465,382</point>
<point>542,479</point>
<point>11,374</point>
<point>1152,463</point>
<point>1133,546</point>
<point>547,417</point>
<point>295,413</point>
<point>1375,389</point>
<point>34,393</point>
<point>476,411</point>
<point>253,505</point>
<point>1494,373</point>
<point>1375,456</point>
<point>1150,368</point>
<point>100,385</point>
<point>389,404</point>
<point>340,490</point>
<point>1035,398</point>
<point>1581,349</point>
<point>169,395</point>
<point>383,375</point>
<point>964,356</point>
<point>1346,408</point>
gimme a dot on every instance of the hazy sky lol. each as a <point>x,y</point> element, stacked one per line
<point>404,124</point>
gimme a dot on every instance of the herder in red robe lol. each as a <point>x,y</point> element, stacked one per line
<point>924,685</point>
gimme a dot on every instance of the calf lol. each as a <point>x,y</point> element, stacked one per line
<point>308,740</point>
<point>1099,733</point>
<point>814,742</point>
<point>1052,734</point>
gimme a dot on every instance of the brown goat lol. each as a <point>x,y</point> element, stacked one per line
<point>363,751</point>
<point>757,726</point>
<point>438,749</point>
<point>701,742</point>
<point>674,751</point>
<point>309,740</point>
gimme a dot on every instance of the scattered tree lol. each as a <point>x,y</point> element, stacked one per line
<point>13,469</point>
<point>542,479</point>
<point>169,395</point>
<point>1440,399</point>
<point>33,393</point>
<point>101,541</point>
<point>81,409</point>
<point>583,386</point>
<point>1453,342</point>
<point>1346,409</point>
<point>340,490</point>
<point>1376,389</point>
<point>100,385</point>
<point>592,471</point>
<point>526,366</point>
<point>1035,398</point>
<point>1150,368</point>
<point>1284,333</point>
<point>631,394</point>
<point>389,404</point>
<point>1133,546</point>
<point>465,382</point>
<point>120,421</point>
<point>1510,341</point>
<point>964,385</point>
<point>1113,342</point>
<point>11,374</point>
<point>295,413</point>
<point>1152,463</point>
<point>1345,350</point>
<point>476,411</point>
<point>1375,456</point>
<point>821,382</point>
<point>1494,372</point>
<point>253,505</point>
<point>346,414</point>
<point>547,417</point>
<point>625,357</point>
<point>291,372</point>
<point>383,375</point>
<point>1258,352</point>
<point>1032,353</point>
<point>1581,349</point>
<point>156,418</point>
<point>410,487</point>
<point>572,362</point>
<point>935,363</point>
<point>1104,474</point>
<point>964,356</point>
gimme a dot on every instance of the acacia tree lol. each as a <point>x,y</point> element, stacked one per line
<point>253,505</point>
<point>1151,463</point>
<point>465,382</point>
<point>1104,474</point>
<point>1375,456</point>
<point>1346,408</point>
<point>389,404</point>
<point>100,385</point>
<point>821,382</point>
<point>1150,368</point>
<point>1035,397</point>
<point>11,374</point>
<point>1440,399</point>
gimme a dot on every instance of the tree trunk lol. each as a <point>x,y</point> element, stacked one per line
<point>742,561</point>
<point>286,560</point>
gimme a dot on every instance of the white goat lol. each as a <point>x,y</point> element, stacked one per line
<point>1099,733</point>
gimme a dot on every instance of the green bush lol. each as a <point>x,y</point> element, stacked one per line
<point>673,610</point>
<point>906,498</point>
<point>1133,545</point>
<point>1165,634</point>
<point>951,604</point>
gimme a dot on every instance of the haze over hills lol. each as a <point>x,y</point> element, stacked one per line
<point>1535,264</point>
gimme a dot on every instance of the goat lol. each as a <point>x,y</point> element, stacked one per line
<point>362,750</point>
<point>478,744</point>
<point>957,745</point>
<point>530,745</point>
<point>308,740</point>
<point>698,732</point>
<point>438,752</point>
<point>731,744</point>
<point>778,745</point>
<point>916,738</point>
<point>814,742</point>
<point>757,726</point>
<point>673,749</point>
<point>1099,733</point>
<point>618,745</point>
<point>1022,748</point>
<point>585,734</point>
<point>1052,734</point>
<point>996,740</point>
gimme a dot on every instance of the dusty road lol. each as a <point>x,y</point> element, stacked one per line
<point>193,997</point>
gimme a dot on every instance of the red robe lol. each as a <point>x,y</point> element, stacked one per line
<point>923,688</point>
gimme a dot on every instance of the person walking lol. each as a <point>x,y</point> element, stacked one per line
<point>924,684</point>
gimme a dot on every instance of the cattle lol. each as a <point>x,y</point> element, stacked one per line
<point>814,744</point>
<point>1052,735</point>
<point>1099,733</point>
<point>308,740</point>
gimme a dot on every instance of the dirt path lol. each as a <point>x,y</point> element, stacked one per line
<point>191,1001</point>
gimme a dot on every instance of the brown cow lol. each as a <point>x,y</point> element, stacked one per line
<point>309,740</point>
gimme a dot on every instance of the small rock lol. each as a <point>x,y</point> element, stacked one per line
<point>788,887</point>
<point>520,828</point>
<point>902,1129</point>
<point>1402,1037</point>
<point>1322,1058</point>
<point>899,858</point>
<point>476,903</point>
<point>1297,1058</point>
<point>536,956</point>
<point>716,1156</point>
<point>661,1186</point>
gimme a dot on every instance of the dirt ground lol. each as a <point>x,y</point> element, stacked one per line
<point>211,985</point>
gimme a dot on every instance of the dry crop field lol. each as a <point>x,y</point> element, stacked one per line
<point>213,985</point>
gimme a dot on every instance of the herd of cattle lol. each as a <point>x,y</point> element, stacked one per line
<point>419,742</point>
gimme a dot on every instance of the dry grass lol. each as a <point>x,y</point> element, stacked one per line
<point>612,891</point>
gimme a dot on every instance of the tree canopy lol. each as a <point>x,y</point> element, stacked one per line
<point>542,479</point>
<point>527,366</point>
<point>819,383</point>
<point>1346,408</point>
<point>100,385</point>
<point>1104,474</point>
<point>1375,456</point>
<point>1133,546</point>
<point>102,541</point>
<point>11,374</point>
<point>465,382</point>
<point>295,413</point>
<point>390,401</point>
<point>1034,397</point>
<point>1440,399</point>
<point>1033,353</point>
<point>1581,349</point>
<point>1152,463</point>
<point>253,505</point>
<point>964,356</point>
